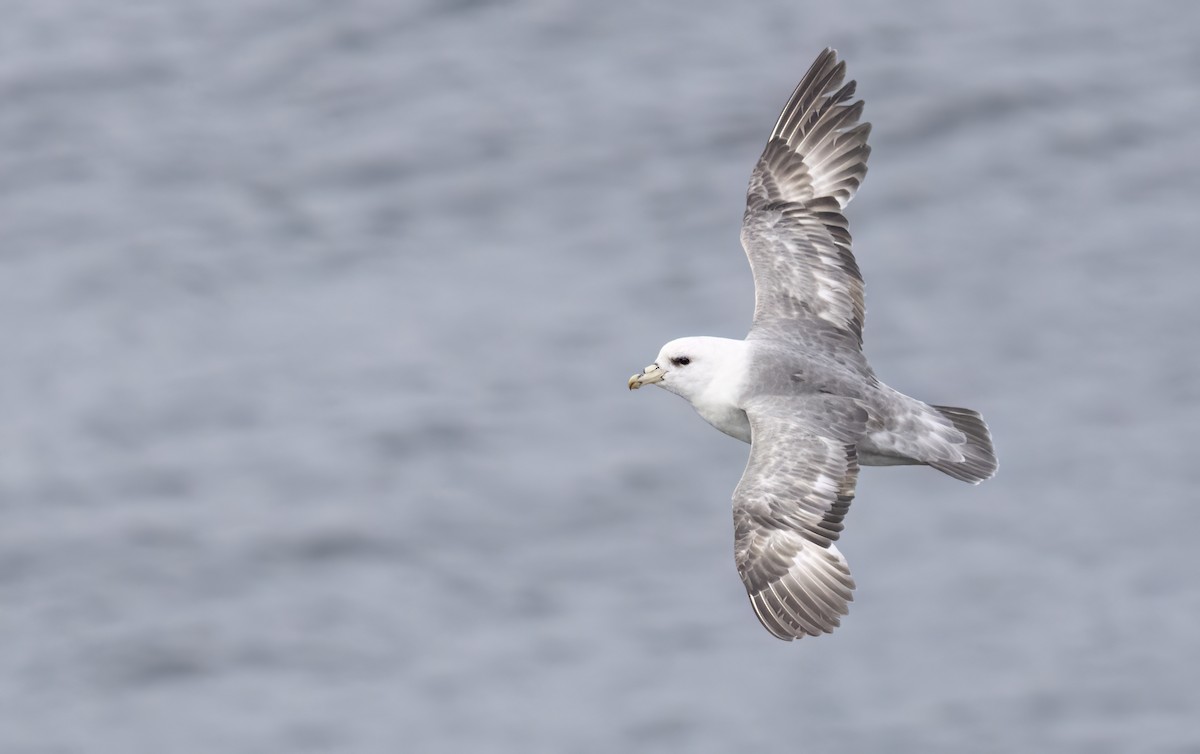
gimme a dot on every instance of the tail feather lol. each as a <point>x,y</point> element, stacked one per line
<point>979,462</point>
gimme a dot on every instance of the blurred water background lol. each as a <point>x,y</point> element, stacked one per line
<point>315,324</point>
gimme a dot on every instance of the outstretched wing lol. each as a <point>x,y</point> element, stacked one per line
<point>793,231</point>
<point>788,510</point>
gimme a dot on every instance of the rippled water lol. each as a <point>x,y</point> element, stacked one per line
<point>316,320</point>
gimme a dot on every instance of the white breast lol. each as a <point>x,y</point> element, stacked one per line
<point>728,418</point>
<point>719,404</point>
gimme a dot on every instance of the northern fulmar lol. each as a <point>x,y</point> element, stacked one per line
<point>798,388</point>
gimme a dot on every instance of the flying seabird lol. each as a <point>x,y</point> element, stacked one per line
<point>799,388</point>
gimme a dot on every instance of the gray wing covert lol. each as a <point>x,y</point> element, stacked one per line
<point>788,510</point>
<point>793,231</point>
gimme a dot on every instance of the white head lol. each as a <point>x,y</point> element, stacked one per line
<point>688,366</point>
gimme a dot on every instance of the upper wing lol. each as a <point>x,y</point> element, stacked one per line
<point>793,231</point>
<point>788,510</point>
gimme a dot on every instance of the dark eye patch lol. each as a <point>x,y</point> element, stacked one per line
<point>682,361</point>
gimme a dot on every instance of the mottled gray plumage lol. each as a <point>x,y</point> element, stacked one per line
<point>789,506</point>
<point>799,388</point>
<point>793,230</point>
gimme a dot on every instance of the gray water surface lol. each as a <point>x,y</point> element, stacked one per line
<point>316,320</point>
